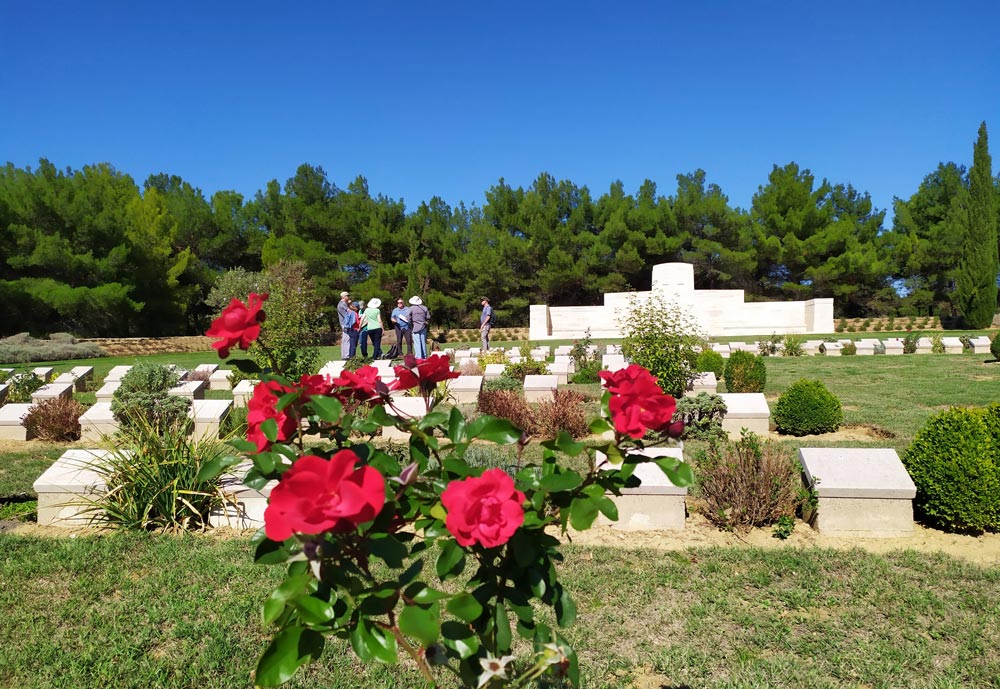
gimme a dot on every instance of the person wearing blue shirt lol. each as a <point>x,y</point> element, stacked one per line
<point>485,323</point>
<point>400,318</point>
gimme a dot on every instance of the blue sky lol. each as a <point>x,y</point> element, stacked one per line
<point>443,98</point>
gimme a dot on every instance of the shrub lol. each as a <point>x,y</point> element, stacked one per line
<point>793,346</point>
<point>493,356</point>
<point>20,386</point>
<point>937,344</point>
<point>877,327</point>
<point>662,337</point>
<point>910,343</point>
<point>851,328</point>
<point>564,412</point>
<point>55,420</point>
<point>502,383</point>
<point>841,325</point>
<point>489,456</point>
<point>152,480</point>
<point>235,423</point>
<point>807,408</point>
<point>581,352</point>
<point>748,483</point>
<point>745,372</point>
<point>710,360</point>
<point>143,399</point>
<point>769,347</point>
<point>891,324</point>
<point>849,349</point>
<point>702,415</point>
<point>528,367</point>
<point>22,348</point>
<point>588,373</point>
<point>955,463</point>
<point>470,368</point>
<point>995,346</point>
<point>506,404</point>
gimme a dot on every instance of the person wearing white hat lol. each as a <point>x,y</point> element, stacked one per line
<point>419,320</point>
<point>371,321</point>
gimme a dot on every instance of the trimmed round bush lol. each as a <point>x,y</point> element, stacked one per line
<point>710,360</point>
<point>745,372</point>
<point>807,408</point>
<point>995,346</point>
<point>955,463</point>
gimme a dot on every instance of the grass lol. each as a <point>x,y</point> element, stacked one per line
<point>117,611</point>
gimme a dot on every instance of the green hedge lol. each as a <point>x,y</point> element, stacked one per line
<point>806,408</point>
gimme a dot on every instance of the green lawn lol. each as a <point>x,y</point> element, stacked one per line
<point>135,610</point>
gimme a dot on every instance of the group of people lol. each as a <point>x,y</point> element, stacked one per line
<point>361,323</point>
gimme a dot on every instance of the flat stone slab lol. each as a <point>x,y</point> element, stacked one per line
<point>246,507</point>
<point>465,389</point>
<point>208,416</point>
<point>704,382</point>
<point>206,368</point>
<point>107,391</point>
<point>98,423</point>
<point>561,371</point>
<point>539,388</point>
<point>656,504</point>
<point>952,345</point>
<point>243,391</point>
<point>219,380</point>
<point>493,371</point>
<point>53,391</point>
<point>117,373</point>
<point>862,491</point>
<point>11,427</point>
<point>192,389</point>
<point>44,372</point>
<point>66,488</point>
<point>893,347</point>
<point>980,345</point>
<point>564,350</point>
<point>404,408</point>
<point>613,362</point>
<point>332,368</point>
<point>745,410</point>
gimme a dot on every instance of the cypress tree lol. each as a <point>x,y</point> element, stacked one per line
<point>976,281</point>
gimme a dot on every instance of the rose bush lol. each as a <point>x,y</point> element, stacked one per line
<point>464,556</point>
<point>239,324</point>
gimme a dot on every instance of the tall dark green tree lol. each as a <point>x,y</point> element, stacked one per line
<point>976,279</point>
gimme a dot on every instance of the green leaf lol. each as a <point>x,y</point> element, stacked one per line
<point>465,607</point>
<point>456,426</point>
<point>245,365</point>
<point>608,508</point>
<point>566,479</point>
<point>255,479</point>
<point>380,416</point>
<point>421,623</point>
<point>327,408</point>
<point>582,513</point>
<point>270,552</point>
<point>459,638</point>
<point>314,610</point>
<point>451,561</point>
<point>270,429</point>
<point>272,609</point>
<point>565,608</point>
<point>421,593</point>
<point>290,649</point>
<point>435,418</point>
<point>564,441</point>
<point>370,641</point>
<point>503,633</point>
<point>600,426</point>
<point>500,431</point>
<point>390,550</point>
<point>678,472</point>
<point>215,466</point>
<point>243,445</point>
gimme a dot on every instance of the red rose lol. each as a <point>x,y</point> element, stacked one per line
<point>363,384</point>
<point>263,406</point>
<point>239,324</point>
<point>485,510</point>
<point>314,386</point>
<point>637,402</point>
<point>317,495</point>
<point>426,373</point>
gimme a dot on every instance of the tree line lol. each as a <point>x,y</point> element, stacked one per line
<point>91,252</point>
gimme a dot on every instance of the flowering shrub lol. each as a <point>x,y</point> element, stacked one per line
<point>465,554</point>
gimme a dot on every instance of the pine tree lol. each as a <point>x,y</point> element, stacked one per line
<point>976,281</point>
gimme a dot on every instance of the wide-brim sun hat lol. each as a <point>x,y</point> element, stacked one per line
<point>416,301</point>
<point>374,303</point>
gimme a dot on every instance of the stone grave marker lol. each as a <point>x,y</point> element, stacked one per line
<point>540,388</point>
<point>403,407</point>
<point>11,421</point>
<point>52,391</point>
<point>862,491</point>
<point>745,410</point>
<point>656,504</point>
<point>98,422</point>
<point>465,389</point>
<point>208,417</point>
